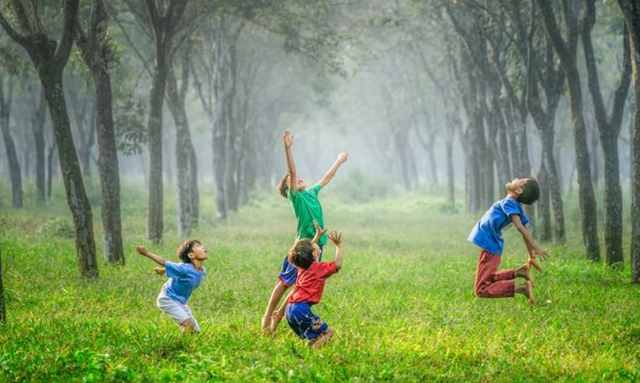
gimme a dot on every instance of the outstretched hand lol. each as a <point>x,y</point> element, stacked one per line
<point>142,250</point>
<point>336,238</point>
<point>542,254</point>
<point>288,139</point>
<point>319,231</point>
<point>343,157</point>
<point>534,264</point>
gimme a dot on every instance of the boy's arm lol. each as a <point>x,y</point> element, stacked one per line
<point>157,259</point>
<point>342,158</point>
<point>532,246</point>
<point>319,232</point>
<point>337,239</point>
<point>291,165</point>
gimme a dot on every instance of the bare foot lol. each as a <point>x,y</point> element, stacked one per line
<point>524,271</point>
<point>528,292</point>
<point>323,339</point>
<point>266,324</point>
<point>275,321</point>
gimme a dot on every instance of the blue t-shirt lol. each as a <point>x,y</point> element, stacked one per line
<point>487,233</point>
<point>183,279</point>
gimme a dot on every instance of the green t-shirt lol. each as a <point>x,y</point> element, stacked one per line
<point>308,209</point>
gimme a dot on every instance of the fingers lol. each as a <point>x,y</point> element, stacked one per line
<point>534,264</point>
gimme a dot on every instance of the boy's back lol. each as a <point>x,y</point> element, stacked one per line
<point>307,208</point>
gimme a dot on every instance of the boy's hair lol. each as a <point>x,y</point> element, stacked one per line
<point>283,187</point>
<point>530,191</point>
<point>185,249</point>
<point>302,254</point>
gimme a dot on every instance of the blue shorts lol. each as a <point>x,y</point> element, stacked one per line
<point>303,321</point>
<point>289,271</point>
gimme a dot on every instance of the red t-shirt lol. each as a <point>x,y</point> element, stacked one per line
<point>310,282</point>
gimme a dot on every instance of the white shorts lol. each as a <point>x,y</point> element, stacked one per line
<point>176,310</point>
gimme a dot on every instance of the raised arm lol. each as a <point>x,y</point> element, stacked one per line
<point>337,239</point>
<point>342,158</point>
<point>291,165</point>
<point>319,232</point>
<point>532,246</point>
<point>157,259</point>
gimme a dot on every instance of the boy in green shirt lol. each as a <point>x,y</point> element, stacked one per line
<point>308,210</point>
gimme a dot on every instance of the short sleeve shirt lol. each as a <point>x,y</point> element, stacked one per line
<point>183,279</point>
<point>308,209</point>
<point>487,233</point>
<point>310,282</point>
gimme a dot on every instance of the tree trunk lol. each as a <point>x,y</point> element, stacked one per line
<point>609,130</point>
<point>155,223</point>
<point>544,213</point>
<point>3,309</point>
<point>37,123</point>
<point>109,170</point>
<point>631,12</point>
<point>71,174</point>
<point>586,194</point>
<point>12,155</point>
<point>195,192</point>
<point>451,187</point>
<point>51,151</point>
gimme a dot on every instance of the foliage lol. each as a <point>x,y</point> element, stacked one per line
<point>402,306</point>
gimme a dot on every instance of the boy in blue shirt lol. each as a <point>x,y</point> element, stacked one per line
<point>183,279</point>
<point>487,234</point>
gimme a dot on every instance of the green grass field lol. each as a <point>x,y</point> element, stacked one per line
<point>403,306</point>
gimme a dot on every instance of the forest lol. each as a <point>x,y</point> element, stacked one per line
<point>145,123</point>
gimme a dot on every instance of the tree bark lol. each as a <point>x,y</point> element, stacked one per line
<point>10,147</point>
<point>37,124</point>
<point>586,195</point>
<point>3,309</point>
<point>544,213</point>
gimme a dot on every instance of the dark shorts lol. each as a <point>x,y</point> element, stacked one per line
<point>289,271</point>
<point>304,322</point>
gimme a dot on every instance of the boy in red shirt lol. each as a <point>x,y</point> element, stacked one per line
<point>308,289</point>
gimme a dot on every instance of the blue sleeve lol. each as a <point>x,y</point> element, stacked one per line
<point>174,270</point>
<point>511,207</point>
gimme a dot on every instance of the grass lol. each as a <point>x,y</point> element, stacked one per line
<point>402,307</point>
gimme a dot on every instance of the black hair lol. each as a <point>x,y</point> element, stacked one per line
<point>185,249</point>
<point>302,254</point>
<point>283,187</point>
<point>530,191</point>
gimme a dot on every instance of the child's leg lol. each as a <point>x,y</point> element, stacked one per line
<point>322,339</point>
<point>277,293</point>
<point>192,324</point>
<point>524,271</point>
<point>490,284</point>
<point>526,289</point>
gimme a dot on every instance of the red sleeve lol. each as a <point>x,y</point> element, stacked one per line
<point>327,269</point>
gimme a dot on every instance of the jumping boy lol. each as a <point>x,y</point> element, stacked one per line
<point>308,209</point>
<point>487,234</point>
<point>183,279</point>
<point>312,274</point>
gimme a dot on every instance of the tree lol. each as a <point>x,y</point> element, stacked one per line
<point>566,51</point>
<point>162,24</point>
<point>609,129</point>
<point>631,11</point>
<point>3,309</point>
<point>12,155</point>
<point>97,54</point>
<point>49,58</point>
